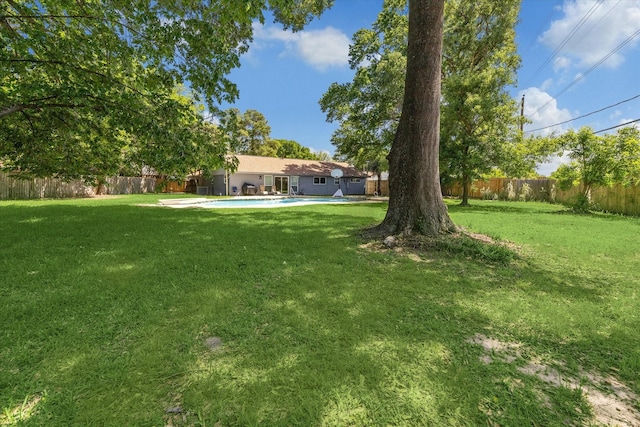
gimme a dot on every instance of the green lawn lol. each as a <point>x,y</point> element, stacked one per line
<point>106,308</point>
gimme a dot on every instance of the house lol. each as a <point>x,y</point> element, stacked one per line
<point>271,175</point>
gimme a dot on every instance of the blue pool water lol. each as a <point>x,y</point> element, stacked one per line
<point>273,203</point>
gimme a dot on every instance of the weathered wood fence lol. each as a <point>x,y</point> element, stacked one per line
<point>41,188</point>
<point>617,199</point>
<point>508,189</point>
<point>371,187</point>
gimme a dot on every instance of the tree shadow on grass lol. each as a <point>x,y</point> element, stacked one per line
<point>314,329</point>
<point>506,207</point>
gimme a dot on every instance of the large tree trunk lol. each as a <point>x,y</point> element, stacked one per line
<point>415,202</point>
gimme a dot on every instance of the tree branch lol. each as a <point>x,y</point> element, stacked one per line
<point>76,67</point>
<point>36,106</point>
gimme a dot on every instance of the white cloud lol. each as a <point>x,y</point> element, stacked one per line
<point>615,114</point>
<point>608,24</point>
<point>210,118</point>
<point>631,123</point>
<point>321,49</point>
<point>547,168</point>
<point>542,109</point>
<point>546,85</point>
<point>561,62</point>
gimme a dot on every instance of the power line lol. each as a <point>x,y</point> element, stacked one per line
<point>618,126</point>
<point>544,25</point>
<point>585,115</point>
<point>593,67</point>
<point>566,39</point>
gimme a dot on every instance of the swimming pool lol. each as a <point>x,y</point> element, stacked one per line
<point>261,202</point>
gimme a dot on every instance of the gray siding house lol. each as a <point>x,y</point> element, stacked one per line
<point>270,175</point>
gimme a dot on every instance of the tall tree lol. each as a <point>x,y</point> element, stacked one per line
<point>415,203</point>
<point>479,117</point>
<point>292,150</point>
<point>478,123</point>
<point>256,131</point>
<point>286,149</point>
<point>76,75</point>
<point>248,131</point>
<point>368,108</point>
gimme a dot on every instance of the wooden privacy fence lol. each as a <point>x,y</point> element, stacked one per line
<point>617,199</point>
<point>507,189</point>
<point>371,187</point>
<point>40,188</point>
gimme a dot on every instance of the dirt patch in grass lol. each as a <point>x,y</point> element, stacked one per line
<point>470,245</point>
<point>612,402</point>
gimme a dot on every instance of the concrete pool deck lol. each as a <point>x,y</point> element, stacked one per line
<point>262,201</point>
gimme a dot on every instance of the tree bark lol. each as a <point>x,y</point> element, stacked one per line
<point>415,202</point>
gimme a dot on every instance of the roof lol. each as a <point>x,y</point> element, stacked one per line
<point>295,167</point>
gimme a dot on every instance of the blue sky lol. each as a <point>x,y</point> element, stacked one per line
<point>578,56</point>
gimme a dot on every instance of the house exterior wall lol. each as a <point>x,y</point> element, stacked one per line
<point>306,185</point>
<point>218,187</point>
<point>237,180</point>
<point>308,188</point>
<point>353,188</point>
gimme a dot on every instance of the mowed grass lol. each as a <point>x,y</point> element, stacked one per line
<point>106,308</point>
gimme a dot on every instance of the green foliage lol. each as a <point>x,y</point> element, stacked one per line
<point>249,133</point>
<point>567,176</point>
<point>285,149</point>
<point>598,161</point>
<point>479,118</point>
<point>478,123</point>
<point>85,85</point>
<point>368,108</point>
<point>292,150</point>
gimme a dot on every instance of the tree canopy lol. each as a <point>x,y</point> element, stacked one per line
<point>598,161</point>
<point>479,117</point>
<point>85,84</point>
<point>250,133</point>
<point>479,120</point>
<point>368,108</point>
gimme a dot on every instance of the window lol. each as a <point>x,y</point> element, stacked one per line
<point>268,183</point>
<point>354,180</point>
<point>294,184</point>
<point>319,180</point>
<point>336,181</point>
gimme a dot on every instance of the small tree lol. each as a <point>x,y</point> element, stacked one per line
<point>598,161</point>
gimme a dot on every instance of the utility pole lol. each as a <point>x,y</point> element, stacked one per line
<point>522,115</point>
